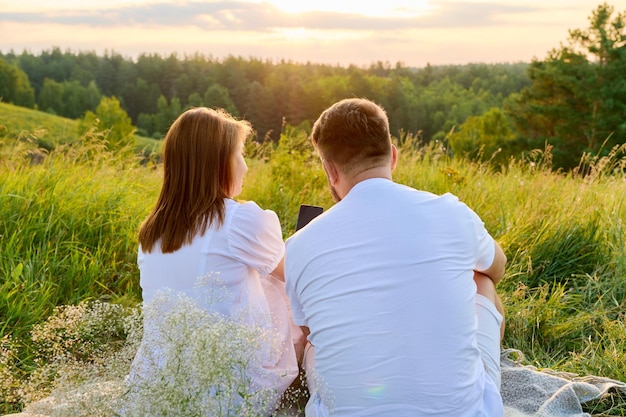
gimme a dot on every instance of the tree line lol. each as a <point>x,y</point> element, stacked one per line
<point>154,89</point>
<point>573,101</point>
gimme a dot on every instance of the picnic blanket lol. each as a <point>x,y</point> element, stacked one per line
<point>526,391</point>
<point>529,392</point>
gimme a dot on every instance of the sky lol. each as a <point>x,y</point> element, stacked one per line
<point>337,32</point>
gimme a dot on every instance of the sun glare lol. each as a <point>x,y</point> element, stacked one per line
<point>388,8</point>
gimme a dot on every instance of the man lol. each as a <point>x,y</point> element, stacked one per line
<point>396,286</point>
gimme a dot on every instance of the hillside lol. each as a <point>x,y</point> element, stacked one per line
<point>46,130</point>
<point>22,123</point>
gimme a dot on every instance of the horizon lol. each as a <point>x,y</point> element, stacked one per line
<point>342,33</point>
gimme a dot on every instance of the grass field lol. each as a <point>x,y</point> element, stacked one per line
<point>68,227</point>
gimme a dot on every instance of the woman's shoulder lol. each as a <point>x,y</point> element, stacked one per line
<point>250,208</point>
<point>249,212</point>
<point>255,235</point>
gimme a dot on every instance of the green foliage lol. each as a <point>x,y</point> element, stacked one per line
<point>110,119</point>
<point>217,96</point>
<point>51,97</point>
<point>267,92</point>
<point>68,98</point>
<point>156,125</point>
<point>447,105</point>
<point>488,137</point>
<point>195,100</point>
<point>14,86</point>
<point>577,100</point>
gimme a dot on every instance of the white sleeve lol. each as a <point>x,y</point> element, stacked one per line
<point>483,244</point>
<point>255,237</point>
<point>486,250</point>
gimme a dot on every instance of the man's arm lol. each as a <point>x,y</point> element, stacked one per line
<point>496,270</point>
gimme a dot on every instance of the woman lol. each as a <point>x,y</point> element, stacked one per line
<point>198,241</point>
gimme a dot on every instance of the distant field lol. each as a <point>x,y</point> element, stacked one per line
<point>48,130</point>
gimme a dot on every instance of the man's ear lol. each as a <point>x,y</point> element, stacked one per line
<point>331,171</point>
<point>394,156</point>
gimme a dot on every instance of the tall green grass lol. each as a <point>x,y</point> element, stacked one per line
<point>68,233</point>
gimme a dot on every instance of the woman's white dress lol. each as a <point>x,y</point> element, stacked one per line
<point>227,271</point>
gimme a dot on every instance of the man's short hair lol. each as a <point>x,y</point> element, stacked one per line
<point>354,134</point>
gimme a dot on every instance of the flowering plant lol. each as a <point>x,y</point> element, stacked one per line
<point>96,359</point>
<point>198,363</point>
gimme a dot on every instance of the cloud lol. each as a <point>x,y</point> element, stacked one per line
<point>264,17</point>
<point>452,31</point>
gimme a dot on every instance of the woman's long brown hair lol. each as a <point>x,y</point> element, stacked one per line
<point>198,156</point>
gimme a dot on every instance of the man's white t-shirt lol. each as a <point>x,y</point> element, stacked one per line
<point>384,281</point>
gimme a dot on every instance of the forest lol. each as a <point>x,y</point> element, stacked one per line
<point>572,102</point>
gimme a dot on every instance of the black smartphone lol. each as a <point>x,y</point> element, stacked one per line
<point>306,214</point>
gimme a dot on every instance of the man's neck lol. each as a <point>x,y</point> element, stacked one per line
<point>376,172</point>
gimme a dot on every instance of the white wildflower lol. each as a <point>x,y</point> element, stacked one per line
<point>198,363</point>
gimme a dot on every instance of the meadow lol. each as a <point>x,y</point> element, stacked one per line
<point>68,235</point>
